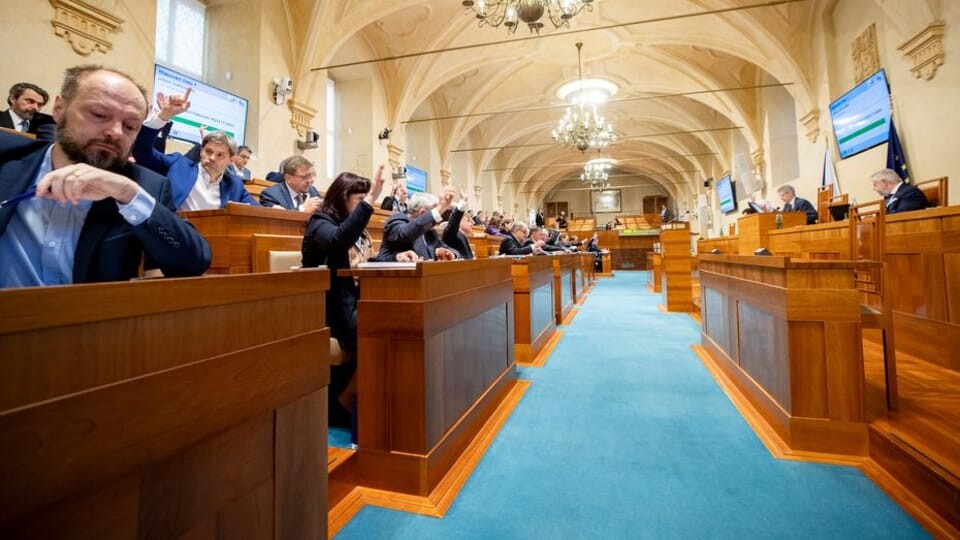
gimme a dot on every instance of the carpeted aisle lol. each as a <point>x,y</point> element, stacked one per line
<point>624,434</point>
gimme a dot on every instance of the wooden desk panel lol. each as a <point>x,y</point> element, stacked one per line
<point>676,267</point>
<point>435,358</point>
<point>152,417</point>
<point>753,229</point>
<point>726,244</point>
<point>824,241</point>
<point>654,272</point>
<point>534,318</point>
<point>564,293</point>
<point>788,334</point>
<point>632,252</point>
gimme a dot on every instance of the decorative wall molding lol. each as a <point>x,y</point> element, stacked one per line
<point>477,190</point>
<point>811,124</point>
<point>394,156</point>
<point>86,28</point>
<point>445,177</point>
<point>866,54</point>
<point>758,161</point>
<point>926,49</point>
<point>301,116</point>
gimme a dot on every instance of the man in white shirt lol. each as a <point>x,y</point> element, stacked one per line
<point>203,184</point>
<point>296,192</point>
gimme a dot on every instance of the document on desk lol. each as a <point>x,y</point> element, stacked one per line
<point>393,264</point>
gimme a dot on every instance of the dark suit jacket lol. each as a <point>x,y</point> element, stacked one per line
<point>400,233</point>
<point>511,246</point>
<point>109,248</point>
<point>182,171</point>
<point>802,205</point>
<point>454,238</point>
<point>279,195</point>
<point>390,203</point>
<point>328,242</point>
<point>539,219</point>
<point>906,198</point>
<point>546,247</point>
<point>42,125</point>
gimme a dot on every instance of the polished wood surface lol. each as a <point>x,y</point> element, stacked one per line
<point>564,285</point>
<point>727,245</point>
<point>231,231</point>
<point>533,303</point>
<point>788,333</point>
<point>753,229</point>
<point>153,417</point>
<point>436,357</point>
<point>824,241</point>
<point>654,272</point>
<point>676,267</point>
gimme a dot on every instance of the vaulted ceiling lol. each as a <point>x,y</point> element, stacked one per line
<point>707,50</point>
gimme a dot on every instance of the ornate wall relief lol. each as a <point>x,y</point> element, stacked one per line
<point>811,124</point>
<point>301,116</point>
<point>926,49</point>
<point>85,27</point>
<point>866,55</point>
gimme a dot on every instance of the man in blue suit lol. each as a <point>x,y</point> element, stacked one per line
<point>792,203</point>
<point>414,230</point>
<point>203,185</point>
<point>899,196</point>
<point>87,214</point>
<point>296,192</point>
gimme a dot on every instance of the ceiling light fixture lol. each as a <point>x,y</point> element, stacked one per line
<point>596,173</point>
<point>510,13</point>
<point>582,126</point>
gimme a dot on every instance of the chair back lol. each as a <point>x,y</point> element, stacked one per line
<point>823,203</point>
<point>935,191</point>
<point>282,261</point>
<point>868,243</point>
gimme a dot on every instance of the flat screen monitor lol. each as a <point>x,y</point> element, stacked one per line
<point>726,194</point>
<point>416,180</point>
<point>861,117</point>
<point>212,107</point>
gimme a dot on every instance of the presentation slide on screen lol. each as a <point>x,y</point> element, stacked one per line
<point>416,180</point>
<point>725,195</point>
<point>209,106</point>
<point>861,118</point>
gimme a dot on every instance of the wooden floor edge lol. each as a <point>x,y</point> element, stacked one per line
<point>911,504</point>
<point>767,435</point>
<point>540,359</point>
<point>570,315</point>
<point>696,318</point>
<point>438,502</point>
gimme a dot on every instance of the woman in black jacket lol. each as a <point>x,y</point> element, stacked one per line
<point>336,237</point>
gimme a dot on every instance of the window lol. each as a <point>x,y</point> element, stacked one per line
<point>181,34</point>
<point>331,129</point>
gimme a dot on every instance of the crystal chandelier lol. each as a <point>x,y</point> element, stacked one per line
<point>511,13</point>
<point>596,173</point>
<point>582,126</point>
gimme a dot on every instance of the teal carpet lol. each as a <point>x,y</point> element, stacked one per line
<point>624,434</point>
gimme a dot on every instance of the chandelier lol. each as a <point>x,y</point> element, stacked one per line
<point>582,126</point>
<point>596,173</point>
<point>510,13</point>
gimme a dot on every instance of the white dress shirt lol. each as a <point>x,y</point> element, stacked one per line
<point>205,194</point>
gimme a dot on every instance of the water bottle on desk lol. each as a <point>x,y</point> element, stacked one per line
<point>779,220</point>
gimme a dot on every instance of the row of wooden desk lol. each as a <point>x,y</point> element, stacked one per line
<point>164,406</point>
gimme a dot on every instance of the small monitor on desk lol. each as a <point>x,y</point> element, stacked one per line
<point>757,209</point>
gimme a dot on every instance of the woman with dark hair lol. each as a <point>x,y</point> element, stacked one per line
<point>336,237</point>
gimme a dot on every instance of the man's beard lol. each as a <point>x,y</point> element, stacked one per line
<point>81,152</point>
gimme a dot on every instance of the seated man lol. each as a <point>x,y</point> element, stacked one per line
<point>515,242</point>
<point>203,185</point>
<point>459,229</point>
<point>536,235</point>
<point>899,196</point>
<point>25,101</point>
<point>397,200</point>
<point>87,214</point>
<point>561,220</point>
<point>792,203</point>
<point>296,192</point>
<point>593,246</point>
<point>414,229</point>
<point>238,165</point>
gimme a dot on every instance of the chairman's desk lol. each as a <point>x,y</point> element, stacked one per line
<point>241,236</point>
<point>787,334</point>
<point>436,357</point>
<point>150,409</point>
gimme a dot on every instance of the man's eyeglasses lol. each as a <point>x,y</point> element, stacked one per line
<point>311,176</point>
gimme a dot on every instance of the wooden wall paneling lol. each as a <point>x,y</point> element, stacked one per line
<point>263,244</point>
<point>844,362</point>
<point>933,341</point>
<point>808,369</point>
<point>762,339</point>
<point>951,272</point>
<point>753,229</point>
<point>677,286</point>
<point>654,272</point>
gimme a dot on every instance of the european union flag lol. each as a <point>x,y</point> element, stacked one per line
<point>896,159</point>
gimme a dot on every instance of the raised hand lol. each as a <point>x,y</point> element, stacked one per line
<point>81,182</point>
<point>312,204</point>
<point>376,187</point>
<point>171,106</point>
<point>446,199</point>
